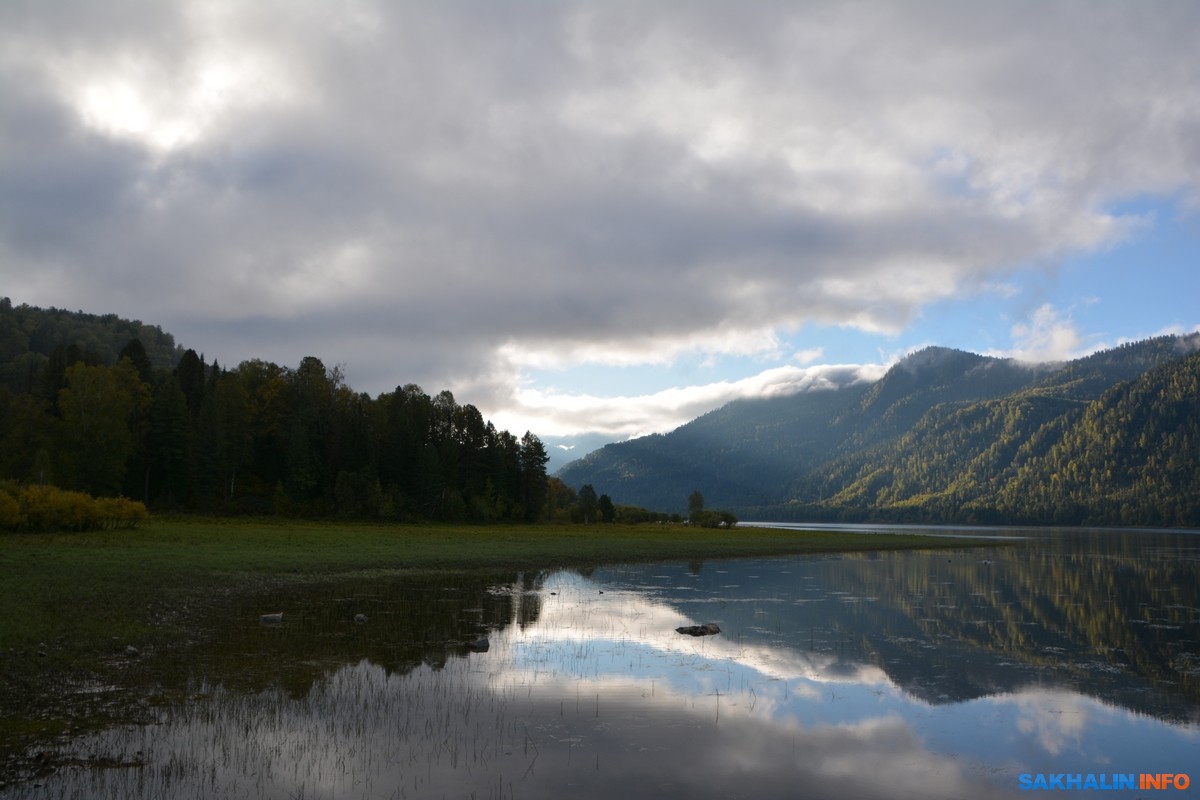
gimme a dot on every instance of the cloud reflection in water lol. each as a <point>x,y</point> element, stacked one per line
<point>596,695</point>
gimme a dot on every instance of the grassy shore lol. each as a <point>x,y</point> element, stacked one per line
<point>102,585</point>
<point>73,602</point>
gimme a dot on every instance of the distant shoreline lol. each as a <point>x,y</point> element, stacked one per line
<point>954,530</point>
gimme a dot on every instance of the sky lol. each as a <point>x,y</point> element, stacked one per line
<point>596,220</point>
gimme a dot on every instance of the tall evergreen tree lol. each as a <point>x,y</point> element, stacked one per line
<point>171,434</point>
<point>136,353</point>
<point>533,476</point>
<point>695,505</point>
<point>192,376</point>
<point>608,512</point>
<point>588,503</point>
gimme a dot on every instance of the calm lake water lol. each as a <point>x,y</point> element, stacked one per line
<point>935,674</point>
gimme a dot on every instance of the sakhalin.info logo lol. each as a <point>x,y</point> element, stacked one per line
<point>1074,781</point>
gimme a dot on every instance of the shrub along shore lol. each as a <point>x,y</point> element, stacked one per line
<point>48,508</point>
<point>74,602</point>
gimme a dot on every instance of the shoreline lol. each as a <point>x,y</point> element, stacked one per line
<point>97,609</point>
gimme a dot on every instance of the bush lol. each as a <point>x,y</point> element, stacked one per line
<point>120,512</point>
<point>46,508</point>
<point>11,517</point>
<point>714,519</point>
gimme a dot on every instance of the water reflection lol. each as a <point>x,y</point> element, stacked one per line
<point>944,674</point>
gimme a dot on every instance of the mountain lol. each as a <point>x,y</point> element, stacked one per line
<point>31,337</point>
<point>943,436</point>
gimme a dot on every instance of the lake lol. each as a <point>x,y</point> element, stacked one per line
<point>1061,656</point>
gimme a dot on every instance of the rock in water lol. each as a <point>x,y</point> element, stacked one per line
<point>479,646</point>
<point>360,619</point>
<point>707,629</point>
<point>271,619</point>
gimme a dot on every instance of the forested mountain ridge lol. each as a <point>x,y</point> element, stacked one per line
<point>86,406</point>
<point>30,337</point>
<point>1112,438</point>
<point>944,436</point>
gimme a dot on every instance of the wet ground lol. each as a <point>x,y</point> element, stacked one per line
<point>932,674</point>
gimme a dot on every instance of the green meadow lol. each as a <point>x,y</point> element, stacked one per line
<point>89,587</point>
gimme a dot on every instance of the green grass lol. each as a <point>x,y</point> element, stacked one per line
<point>94,586</point>
<point>72,602</point>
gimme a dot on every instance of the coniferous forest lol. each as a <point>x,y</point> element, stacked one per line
<point>108,407</point>
<point>945,436</point>
<point>114,408</point>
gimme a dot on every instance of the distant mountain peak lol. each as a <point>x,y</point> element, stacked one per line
<point>934,356</point>
<point>944,435</point>
<point>946,373</point>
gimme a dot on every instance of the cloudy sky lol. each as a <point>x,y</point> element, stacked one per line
<point>605,217</point>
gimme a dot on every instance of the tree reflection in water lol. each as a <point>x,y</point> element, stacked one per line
<point>903,674</point>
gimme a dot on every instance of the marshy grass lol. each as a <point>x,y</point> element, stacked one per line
<point>75,603</point>
<point>99,585</point>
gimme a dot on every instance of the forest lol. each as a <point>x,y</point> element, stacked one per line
<point>945,436</point>
<point>87,406</point>
<point>112,408</point>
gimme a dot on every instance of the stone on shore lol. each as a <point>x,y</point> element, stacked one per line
<point>707,629</point>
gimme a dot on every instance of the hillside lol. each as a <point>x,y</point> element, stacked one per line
<point>31,337</point>
<point>108,406</point>
<point>943,436</point>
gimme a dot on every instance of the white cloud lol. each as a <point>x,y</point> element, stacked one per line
<point>808,355</point>
<point>634,348</point>
<point>1189,344</point>
<point>1048,335</point>
<point>1058,721</point>
<point>452,193</point>
<point>557,414</point>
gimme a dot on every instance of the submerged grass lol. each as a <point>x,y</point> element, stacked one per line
<point>74,602</point>
<point>105,584</point>
<point>95,586</point>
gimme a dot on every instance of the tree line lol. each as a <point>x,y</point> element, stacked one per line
<point>96,407</point>
<point>29,336</point>
<point>263,438</point>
